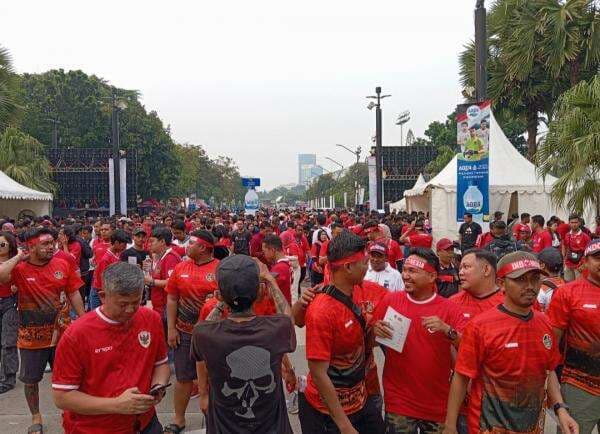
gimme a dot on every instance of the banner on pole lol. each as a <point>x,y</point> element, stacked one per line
<point>472,177</point>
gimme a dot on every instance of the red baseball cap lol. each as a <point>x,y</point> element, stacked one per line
<point>443,244</point>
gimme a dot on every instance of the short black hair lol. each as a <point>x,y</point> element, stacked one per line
<point>428,255</point>
<point>70,233</point>
<point>538,219</point>
<point>12,243</point>
<point>370,224</point>
<point>120,236</point>
<point>574,217</point>
<point>36,232</point>
<point>321,219</point>
<point>273,241</point>
<point>204,235</point>
<point>525,215</point>
<point>500,224</point>
<point>179,225</point>
<point>345,244</point>
<point>291,224</point>
<point>163,233</point>
<point>485,255</point>
<point>468,214</point>
<point>335,226</point>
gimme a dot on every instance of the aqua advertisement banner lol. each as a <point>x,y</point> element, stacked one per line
<point>473,177</point>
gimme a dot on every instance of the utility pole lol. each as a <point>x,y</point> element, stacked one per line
<point>378,143</point>
<point>115,154</point>
<point>356,169</point>
<point>480,52</point>
<point>403,118</point>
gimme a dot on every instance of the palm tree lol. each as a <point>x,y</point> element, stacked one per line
<point>571,149</point>
<point>22,159</point>
<point>8,90</point>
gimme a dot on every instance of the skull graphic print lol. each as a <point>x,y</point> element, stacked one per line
<point>250,378</point>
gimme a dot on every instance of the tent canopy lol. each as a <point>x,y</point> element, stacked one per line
<point>401,204</point>
<point>11,189</point>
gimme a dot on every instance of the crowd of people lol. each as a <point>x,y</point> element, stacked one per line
<point>489,332</point>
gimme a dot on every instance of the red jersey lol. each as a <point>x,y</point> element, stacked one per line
<point>575,244</point>
<point>6,290</point>
<point>575,308</point>
<point>75,251</point>
<point>334,335</point>
<point>419,393</point>
<point>191,284</point>
<point>109,258</point>
<point>180,250</point>
<point>99,248</point>
<point>61,254</point>
<point>507,357</point>
<point>256,246</point>
<point>420,240</point>
<point>484,239</point>
<point>162,270</point>
<point>303,249</point>
<point>39,302</point>
<point>284,277</point>
<point>517,230</point>
<point>541,240</point>
<point>103,358</point>
<point>562,230</point>
<point>472,306</point>
<point>367,297</point>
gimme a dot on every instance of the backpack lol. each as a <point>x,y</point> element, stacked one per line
<point>500,247</point>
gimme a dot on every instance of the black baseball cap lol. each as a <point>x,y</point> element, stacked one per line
<point>551,257</point>
<point>238,278</point>
<point>139,231</point>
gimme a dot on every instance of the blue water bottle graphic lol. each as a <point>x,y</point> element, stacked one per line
<point>251,202</point>
<point>473,202</point>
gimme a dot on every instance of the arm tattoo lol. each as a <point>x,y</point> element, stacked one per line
<point>217,312</point>
<point>281,304</point>
<point>32,395</point>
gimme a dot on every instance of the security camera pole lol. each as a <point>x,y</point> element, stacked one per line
<point>480,52</point>
<point>378,153</point>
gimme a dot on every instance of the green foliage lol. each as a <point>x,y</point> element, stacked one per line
<point>326,185</point>
<point>571,149</point>
<point>9,107</point>
<point>22,159</point>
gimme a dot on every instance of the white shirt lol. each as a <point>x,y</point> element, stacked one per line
<point>390,278</point>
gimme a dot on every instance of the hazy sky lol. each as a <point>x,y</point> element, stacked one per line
<point>260,81</point>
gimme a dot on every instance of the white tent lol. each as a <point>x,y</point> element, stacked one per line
<point>15,198</point>
<point>401,204</point>
<point>514,187</point>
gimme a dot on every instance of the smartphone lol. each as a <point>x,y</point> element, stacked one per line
<point>156,389</point>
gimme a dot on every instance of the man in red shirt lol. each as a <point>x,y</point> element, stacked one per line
<point>41,278</point>
<point>518,228</point>
<point>509,355</point>
<point>165,260</point>
<point>336,349</point>
<point>574,313</point>
<point>415,381</point>
<point>416,237</point>
<point>118,244</point>
<point>542,238</point>
<point>374,233</point>
<point>573,246</point>
<point>303,251</point>
<point>256,241</point>
<point>108,361</point>
<point>273,250</point>
<point>187,288</point>
<point>100,245</point>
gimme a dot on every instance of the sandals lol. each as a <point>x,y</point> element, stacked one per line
<point>36,428</point>
<point>174,429</point>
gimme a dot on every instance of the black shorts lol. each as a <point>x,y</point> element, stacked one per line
<point>185,367</point>
<point>33,364</point>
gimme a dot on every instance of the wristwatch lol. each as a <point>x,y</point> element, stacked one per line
<point>558,406</point>
<point>452,334</point>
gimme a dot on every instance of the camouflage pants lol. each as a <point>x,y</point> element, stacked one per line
<point>396,424</point>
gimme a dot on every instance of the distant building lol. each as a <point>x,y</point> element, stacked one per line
<point>308,169</point>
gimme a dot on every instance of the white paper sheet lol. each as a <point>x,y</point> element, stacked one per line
<point>400,325</point>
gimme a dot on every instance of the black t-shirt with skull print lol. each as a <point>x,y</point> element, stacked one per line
<point>244,369</point>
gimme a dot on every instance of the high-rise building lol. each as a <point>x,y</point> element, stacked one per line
<point>307,168</point>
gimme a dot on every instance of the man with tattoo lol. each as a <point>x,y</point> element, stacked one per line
<point>41,278</point>
<point>241,356</point>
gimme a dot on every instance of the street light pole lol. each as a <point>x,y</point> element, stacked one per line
<point>378,145</point>
<point>356,169</point>
<point>115,154</point>
<point>480,51</point>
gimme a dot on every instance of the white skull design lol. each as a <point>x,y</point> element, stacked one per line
<point>251,376</point>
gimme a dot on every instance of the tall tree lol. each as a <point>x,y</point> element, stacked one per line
<point>571,149</point>
<point>9,107</point>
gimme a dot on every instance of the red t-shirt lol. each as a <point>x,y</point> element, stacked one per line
<point>303,249</point>
<point>575,242</point>
<point>517,230</point>
<point>103,358</point>
<point>284,277</point>
<point>334,335</point>
<point>191,284</point>
<point>471,306</point>
<point>256,245</point>
<point>5,290</point>
<point>39,302</point>
<point>422,392</point>
<point>180,250</point>
<point>562,230</point>
<point>75,251</point>
<point>367,297</point>
<point>507,357</point>
<point>162,270</point>
<point>100,247</point>
<point>109,258</point>
<point>541,240</point>
<point>575,308</point>
<point>420,240</point>
<point>484,239</point>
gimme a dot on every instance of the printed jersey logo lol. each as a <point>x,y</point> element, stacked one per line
<point>58,275</point>
<point>210,277</point>
<point>145,338</point>
<point>547,340</point>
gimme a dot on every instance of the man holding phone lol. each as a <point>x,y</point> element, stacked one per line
<point>126,346</point>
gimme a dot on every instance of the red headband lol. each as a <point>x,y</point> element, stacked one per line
<point>356,257</point>
<point>202,241</point>
<point>420,263</point>
<point>39,239</point>
<point>522,264</point>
